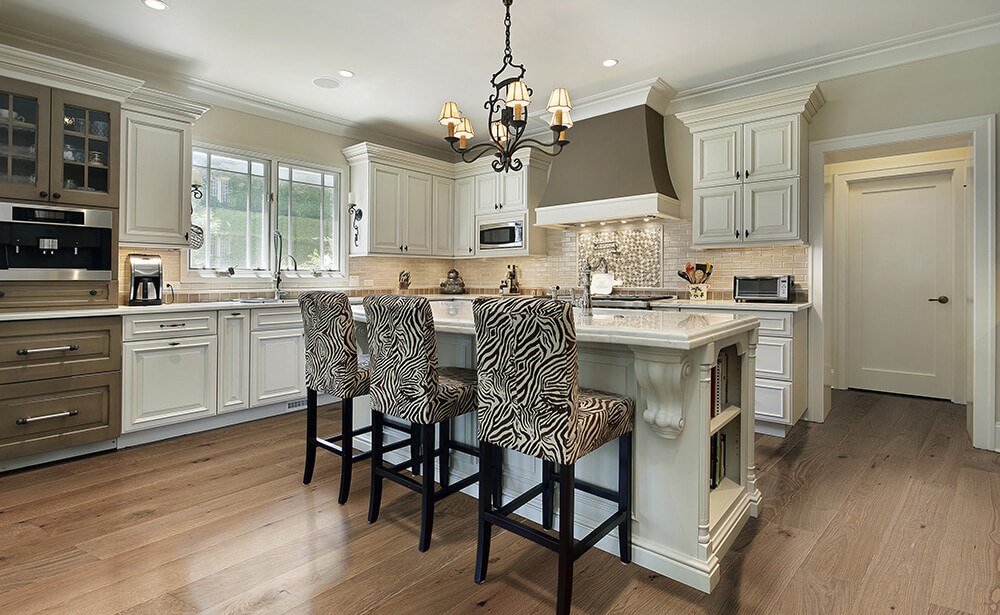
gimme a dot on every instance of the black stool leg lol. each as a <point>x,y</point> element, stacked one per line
<point>427,494</point>
<point>307,476</point>
<point>347,444</point>
<point>444,441</point>
<point>486,491</point>
<point>567,488</point>
<point>497,461</point>
<point>548,495</point>
<point>416,431</point>
<point>625,496</point>
<point>376,489</point>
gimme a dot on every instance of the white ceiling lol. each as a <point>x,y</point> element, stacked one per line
<point>410,56</point>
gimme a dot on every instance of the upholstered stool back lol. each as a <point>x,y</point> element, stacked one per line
<point>404,362</point>
<point>528,378</point>
<point>331,347</point>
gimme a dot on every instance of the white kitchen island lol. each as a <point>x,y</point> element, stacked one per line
<point>681,526</point>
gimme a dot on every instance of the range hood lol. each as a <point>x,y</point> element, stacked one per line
<point>615,169</point>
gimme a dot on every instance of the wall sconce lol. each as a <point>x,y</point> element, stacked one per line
<point>356,214</point>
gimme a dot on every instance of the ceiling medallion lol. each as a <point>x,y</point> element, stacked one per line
<point>508,109</point>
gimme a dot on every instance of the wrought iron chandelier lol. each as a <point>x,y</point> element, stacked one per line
<point>508,109</point>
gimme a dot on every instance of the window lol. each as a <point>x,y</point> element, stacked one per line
<point>309,217</point>
<point>239,214</point>
<point>233,211</point>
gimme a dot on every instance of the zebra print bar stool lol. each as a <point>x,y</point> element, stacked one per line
<point>407,383</point>
<point>529,401</point>
<point>334,367</point>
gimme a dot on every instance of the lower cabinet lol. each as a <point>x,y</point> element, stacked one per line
<point>169,381</point>
<point>277,366</point>
<point>234,363</point>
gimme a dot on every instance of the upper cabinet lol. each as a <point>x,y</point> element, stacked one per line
<point>24,140</point>
<point>156,180</point>
<point>750,169</point>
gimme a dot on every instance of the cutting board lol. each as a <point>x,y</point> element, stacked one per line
<point>603,283</point>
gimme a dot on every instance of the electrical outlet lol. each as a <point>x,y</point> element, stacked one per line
<point>353,280</point>
<point>369,282</point>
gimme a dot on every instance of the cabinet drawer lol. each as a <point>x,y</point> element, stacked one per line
<point>159,326</point>
<point>777,324</point>
<point>289,317</point>
<point>774,357</point>
<point>57,296</point>
<point>37,349</point>
<point>773,400</point>
<point>47,415</point>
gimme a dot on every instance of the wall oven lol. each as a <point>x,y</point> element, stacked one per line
<point>775,288</point>
<point>501,235</point>
<point>55,243</point>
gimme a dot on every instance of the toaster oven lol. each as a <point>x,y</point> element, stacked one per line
<point>773,288</point>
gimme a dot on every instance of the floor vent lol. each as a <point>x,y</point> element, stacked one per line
<point>298,404</point>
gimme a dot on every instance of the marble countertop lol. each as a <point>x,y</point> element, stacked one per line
<point>718,304</point>
<point>654,329</point>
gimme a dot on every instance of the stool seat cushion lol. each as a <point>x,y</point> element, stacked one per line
<point>602,417</point>
<point>458,393</point>
<point>332,363</point>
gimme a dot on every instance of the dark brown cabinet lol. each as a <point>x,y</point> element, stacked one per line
<point>58,146</point>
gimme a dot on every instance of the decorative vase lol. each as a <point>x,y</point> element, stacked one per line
<point>698,292</point>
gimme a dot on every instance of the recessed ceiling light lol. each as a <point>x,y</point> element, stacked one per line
<point>327,83</point>
<point>347,74</point>
<point>156,5</point>
<point>610,62</point>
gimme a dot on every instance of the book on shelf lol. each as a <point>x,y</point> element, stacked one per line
<point>717,460</point>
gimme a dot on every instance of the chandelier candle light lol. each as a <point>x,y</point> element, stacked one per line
<point>508,109</point>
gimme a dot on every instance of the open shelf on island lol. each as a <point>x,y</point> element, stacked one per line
<point>721,499</point>
<point>723,418</point>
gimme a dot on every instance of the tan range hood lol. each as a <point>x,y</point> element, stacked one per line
<point>614,169</point>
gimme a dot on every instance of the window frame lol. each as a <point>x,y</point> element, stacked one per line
<point>206,276</point>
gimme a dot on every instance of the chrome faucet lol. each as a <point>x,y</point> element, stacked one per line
<point>554,289</point>
<point>279,241</point>
<point>588,303</point>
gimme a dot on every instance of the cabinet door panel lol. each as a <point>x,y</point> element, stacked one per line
<point>442,228</point>
<point>487,193</point>
<point>514,196</point>
<point>717,156</point>
<point>85,150</point>
<point>278,366</point>
<point>386,202</point>
<point>418,201</point>
<point>770,149</point>
<point>24,139</point>
<point>774,358</point>
<point>773,400</point>
<point>771,210</point>
<point>465,217</point>
<point>169,381</point>
<point>234,360</point>
<point>157,179</point>
<point>716,215</point>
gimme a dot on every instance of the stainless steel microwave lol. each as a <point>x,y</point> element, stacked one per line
<point>47,242</point>
<point>775,288</point>
<point>503,235</point>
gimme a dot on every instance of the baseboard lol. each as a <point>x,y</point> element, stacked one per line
<point>771,429</point>
<point>996,437</point>
<point>7,465</point>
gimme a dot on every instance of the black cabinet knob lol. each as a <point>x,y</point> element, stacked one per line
<point>737,234</point>
<point>746,233</point>
<point>93,293</point>
<point>43,194</point>
<point>56,195</point>
<point>737,175</point>
<point>470,252</point>
<point>2,293</point>
<point>407,248</point>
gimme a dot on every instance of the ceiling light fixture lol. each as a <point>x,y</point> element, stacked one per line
<point>327,83</point>
<point>610,62</point>
<point>508,110</point>
<point>156,5</point>
<point>347,74</point>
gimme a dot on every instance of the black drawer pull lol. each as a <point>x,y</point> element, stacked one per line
<point>57,415</point>
<point>56,195</point>
<point>93,293</point>
<point>180,324</point>
<point>173,343</point>
<point>23,352</point>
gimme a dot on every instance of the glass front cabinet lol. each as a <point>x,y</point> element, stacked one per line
<point>58,146</point>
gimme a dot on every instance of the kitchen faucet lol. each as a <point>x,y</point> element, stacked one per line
<point>279,241</point>
<point>588,304</point>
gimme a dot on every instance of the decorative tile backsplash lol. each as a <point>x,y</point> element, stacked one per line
<point>633,254</point>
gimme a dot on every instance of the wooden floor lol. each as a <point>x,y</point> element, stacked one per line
<point>885,508</point>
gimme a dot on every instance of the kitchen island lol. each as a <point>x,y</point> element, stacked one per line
<point>692,377</point>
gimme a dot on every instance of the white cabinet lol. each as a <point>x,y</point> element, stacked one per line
<point>168,381</point>
<point>415,211</point>
<point>500,192</point>
<point>277,366</point>
<point>156,183</point>
<point>515,191</point>
<point>234,360</point>
<point>487,193</point>
<point>385,202</point>
<point>443,218</point>
<point>750,168</point>
<point>465,236</point>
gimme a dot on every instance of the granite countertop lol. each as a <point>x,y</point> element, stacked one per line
<point>655,329</point>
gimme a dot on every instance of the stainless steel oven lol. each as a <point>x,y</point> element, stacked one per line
<point>776,288</point>
<point>501,235</point>
<point>46,242</point>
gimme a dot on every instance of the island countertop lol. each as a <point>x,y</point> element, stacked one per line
<point>637,328</point>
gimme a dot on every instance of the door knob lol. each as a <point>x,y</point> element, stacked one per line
<point>941,299</point>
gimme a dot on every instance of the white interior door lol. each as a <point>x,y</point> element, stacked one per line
<point>901,255</point>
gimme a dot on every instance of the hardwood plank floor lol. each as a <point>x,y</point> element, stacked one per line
<point>884,508</point>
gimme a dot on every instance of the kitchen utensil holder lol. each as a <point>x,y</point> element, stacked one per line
<point>698,292</point>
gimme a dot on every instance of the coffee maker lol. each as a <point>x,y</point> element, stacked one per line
<point>147,279</point>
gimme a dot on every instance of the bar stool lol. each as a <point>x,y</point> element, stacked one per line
<point>334,367</point>
<point>406,383</point>
<point>529,401</point>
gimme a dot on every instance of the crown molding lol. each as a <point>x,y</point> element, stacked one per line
<point>934,43</point>
<point>164,104</point>
<point>803,99</point>
<point>655,93</point>
<point>367,152</point>
<point>37,68</point>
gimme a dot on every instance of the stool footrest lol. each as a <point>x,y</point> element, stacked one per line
<point>592,489</point>
<point>462,447</point>
<point>598,533</point>
<point>396,446</point>
<point>520,500</point>
<point>444,492</point>
<point>526,531</point>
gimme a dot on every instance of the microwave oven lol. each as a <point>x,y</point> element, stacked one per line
<point>501,235</point>
<point>55,243</point>
<point>775,288</point>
